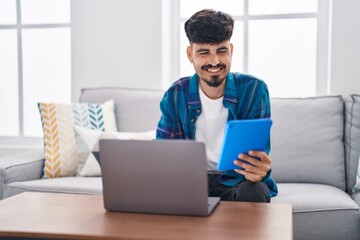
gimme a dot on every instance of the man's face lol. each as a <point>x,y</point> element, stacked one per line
<point>212,62</point>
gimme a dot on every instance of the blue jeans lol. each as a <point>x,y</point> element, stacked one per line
<point>245,191</point>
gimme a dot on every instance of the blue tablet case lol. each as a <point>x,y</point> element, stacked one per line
<point>241,136</point>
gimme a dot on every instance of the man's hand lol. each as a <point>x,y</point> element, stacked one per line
<point>257,169</point>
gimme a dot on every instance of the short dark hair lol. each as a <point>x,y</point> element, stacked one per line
<point>209,26</point>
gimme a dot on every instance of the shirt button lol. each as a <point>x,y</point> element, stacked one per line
<point>193,120</point>
<point>189,107</point>
<point>197,110</point>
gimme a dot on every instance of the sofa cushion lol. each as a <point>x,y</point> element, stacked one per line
<point>352,141</point>
<point>320,211</point>
<point>308,197</point>
<point>307,140</point>
<point>356,197</point>
<point>137,110</point>
<point>58,121</point>
<point>78,185</point>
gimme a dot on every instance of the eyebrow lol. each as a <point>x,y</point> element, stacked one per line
<point>203,50</point>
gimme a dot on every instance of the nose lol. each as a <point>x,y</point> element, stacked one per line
<point>214,59</point>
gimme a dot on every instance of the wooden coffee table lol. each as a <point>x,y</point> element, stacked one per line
<point>73,216</point>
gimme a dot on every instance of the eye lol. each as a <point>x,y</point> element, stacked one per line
<point>203,53</point>
<point>222,51</point>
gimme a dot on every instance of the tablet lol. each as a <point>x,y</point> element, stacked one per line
<point>241,136</point>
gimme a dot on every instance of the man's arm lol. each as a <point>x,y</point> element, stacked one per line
<point>165,127</point>
<point>259,168</point>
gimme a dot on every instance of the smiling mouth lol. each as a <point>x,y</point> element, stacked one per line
<point>213,70</point>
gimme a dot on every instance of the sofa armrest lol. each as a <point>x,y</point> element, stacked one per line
<point>22,166</point>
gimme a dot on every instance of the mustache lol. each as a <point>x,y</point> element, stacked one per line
<point>211,66</point>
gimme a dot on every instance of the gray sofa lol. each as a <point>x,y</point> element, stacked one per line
<point>315,151</point>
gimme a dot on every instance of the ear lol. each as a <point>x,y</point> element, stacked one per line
<point>231,48</point>
<point>189,53</point>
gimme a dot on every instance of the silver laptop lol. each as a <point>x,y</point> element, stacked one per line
<point>159,176</point>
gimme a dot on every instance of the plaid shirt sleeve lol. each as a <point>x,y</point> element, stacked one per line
<point>165,125</point>
<point>172,123</point>
<point>263,108</point>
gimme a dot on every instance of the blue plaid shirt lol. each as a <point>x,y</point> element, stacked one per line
<point>245,97</point>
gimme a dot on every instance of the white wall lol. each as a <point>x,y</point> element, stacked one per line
<point>115,43</point>
<point>118,43</point>
<point>345,50</point>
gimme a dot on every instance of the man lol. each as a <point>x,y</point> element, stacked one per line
<point>198,108</point>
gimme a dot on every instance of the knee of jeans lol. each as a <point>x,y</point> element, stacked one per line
<point>254,185</point>
<point>253,192</point>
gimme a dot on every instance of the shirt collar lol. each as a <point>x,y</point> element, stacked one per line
<point>230,94</point>
<point>193,100</point>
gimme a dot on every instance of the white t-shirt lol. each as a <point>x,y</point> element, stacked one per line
<point>210,127</point>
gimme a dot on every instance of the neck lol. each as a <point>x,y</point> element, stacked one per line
<point>212,92</point>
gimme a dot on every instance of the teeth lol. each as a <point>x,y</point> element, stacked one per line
<point>213,70</point>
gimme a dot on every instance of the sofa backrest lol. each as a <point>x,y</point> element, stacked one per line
<point>307,140</point>
<point>307,136</point>
<point>136,109</point>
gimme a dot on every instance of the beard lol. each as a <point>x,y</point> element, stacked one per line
<point>214,81</point>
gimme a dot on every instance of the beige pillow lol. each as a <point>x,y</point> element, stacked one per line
<point>58,121</point>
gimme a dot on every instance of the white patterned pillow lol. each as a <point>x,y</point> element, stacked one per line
<point>88,147</point>
<point>58,121</point>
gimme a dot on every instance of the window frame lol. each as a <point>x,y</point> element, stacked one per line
<point>21,140</point>
<point>171,69</point>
